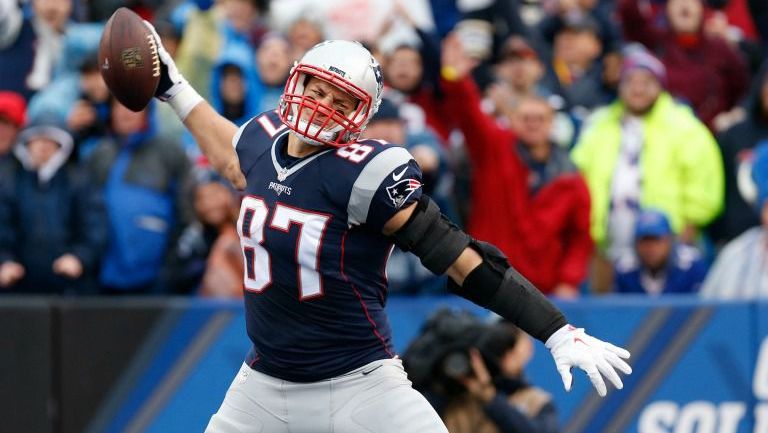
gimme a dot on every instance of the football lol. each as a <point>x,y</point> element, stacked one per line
<point>128,59</point>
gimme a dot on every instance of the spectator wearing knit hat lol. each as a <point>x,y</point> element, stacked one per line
<point>702,69</point>
<point>52,222</point>
<point>646,150</point>
<point>740,271</point>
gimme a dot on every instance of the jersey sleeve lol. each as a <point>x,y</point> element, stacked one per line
<point>389,182</point>
<point>254,138</point>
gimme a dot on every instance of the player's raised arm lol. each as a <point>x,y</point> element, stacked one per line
<point>211,130</point>
<point>479,272</point>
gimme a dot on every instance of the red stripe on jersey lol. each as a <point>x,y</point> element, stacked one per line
<point>360,298</point>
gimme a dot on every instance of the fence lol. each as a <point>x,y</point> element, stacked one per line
<point>163,365</point>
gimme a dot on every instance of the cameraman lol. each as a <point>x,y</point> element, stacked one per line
<point>472,373</point>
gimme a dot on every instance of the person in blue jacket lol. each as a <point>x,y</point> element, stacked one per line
<point>660,264</point>
<point>52,221</point>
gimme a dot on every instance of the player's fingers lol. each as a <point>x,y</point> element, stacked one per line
<point>607,370</point>
<point>620,352</point>
<point>595,378</point>
<point>617,362</point>
<point>565,374</point>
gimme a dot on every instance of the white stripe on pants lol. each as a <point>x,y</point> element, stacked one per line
<point>376,398</point>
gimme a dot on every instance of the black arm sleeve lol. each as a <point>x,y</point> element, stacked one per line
<point>497,286</point>
<point>494,284</point>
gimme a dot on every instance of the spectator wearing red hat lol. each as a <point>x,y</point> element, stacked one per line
<point>13,111</point>
<point>701,69</point>
<point>646,150</point>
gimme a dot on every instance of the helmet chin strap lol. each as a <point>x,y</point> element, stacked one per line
<point>312,131</point>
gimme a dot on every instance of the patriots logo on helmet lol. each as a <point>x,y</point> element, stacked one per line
<point>403,189</point>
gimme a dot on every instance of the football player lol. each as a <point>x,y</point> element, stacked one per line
<point>321,213</point>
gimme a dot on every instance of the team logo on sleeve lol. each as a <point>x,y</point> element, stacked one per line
<point>400,191</point>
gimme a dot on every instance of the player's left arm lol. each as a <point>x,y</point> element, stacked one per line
<point>479,272</point>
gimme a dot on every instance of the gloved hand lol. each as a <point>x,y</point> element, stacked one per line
<point>572,347</point>
<point>173,87</point>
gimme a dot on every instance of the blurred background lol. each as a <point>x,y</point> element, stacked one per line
<point>615,150</point>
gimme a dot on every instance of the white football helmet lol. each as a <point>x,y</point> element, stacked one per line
<point>346,65</point>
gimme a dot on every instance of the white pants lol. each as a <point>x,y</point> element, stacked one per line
<point>376,398</point>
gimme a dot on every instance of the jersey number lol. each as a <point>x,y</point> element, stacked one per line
<point>258,270</point>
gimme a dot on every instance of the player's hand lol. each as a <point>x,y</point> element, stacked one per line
<point>171,81</point>
<point>10,273</point>
<point>572,347</point>
<point>68,266</point>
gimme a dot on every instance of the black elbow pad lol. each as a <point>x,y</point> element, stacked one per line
<point>434,239</point>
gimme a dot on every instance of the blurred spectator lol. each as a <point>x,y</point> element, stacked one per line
<point>498,395</point>
<point>144,181</point>
<point>527,196</point>
<point>519,71</point>
<point>31,44</point>
<point>405,273</point>
<point>659,265</point>
<point>209,31</point>
<point>81,101</point>
<point>645,150</point>
<point>273,63</point>
<point>472,373</point>
<point>52,222</point>
<point>235,90</point>
<point>736,144</point>
<point>216,209</point>
<point>405,74</point>
<point>41,44</point>
<point>575,71</point>
<point>519,74</point>
<point>703,70</point>
<point>13,111</point>
<point>740,271</point>
<point>560,11</point>
<point>207,257</point>
<point>305,32</point>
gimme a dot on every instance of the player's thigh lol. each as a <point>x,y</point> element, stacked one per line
<point>385,402</point>
<point>253,404</point>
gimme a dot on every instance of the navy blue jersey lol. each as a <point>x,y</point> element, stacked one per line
<point>315,257</point>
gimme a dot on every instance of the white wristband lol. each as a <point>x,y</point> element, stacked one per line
<point>558,336</point>
<point>184,101</point>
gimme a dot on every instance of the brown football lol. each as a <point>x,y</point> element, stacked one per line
<point>128,59</point>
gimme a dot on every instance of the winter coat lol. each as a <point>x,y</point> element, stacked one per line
<point>680,164</point>
<point>145,182</point>
<point>45,217</point>
<point>543,231</point>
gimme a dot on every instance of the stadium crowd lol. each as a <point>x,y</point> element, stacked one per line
<point>605,146</point>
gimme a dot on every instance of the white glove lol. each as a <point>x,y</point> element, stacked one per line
<point>173,87</point>
<point>573,347</point>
